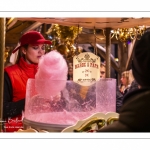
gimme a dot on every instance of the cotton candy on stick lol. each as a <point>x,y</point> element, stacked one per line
<point>51,76</point>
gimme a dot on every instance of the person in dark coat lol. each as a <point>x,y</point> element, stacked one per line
<point>135,112</point>
<point>119,99</point>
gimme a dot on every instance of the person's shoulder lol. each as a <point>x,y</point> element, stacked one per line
<point>136,94</point>
<point>134,111</point>
<point>11,68</point>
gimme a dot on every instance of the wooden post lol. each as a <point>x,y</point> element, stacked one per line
<point>2,50</point>
<point>108,52</point>
<point>44,30</point>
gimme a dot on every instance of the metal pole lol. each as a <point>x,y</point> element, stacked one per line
<point>108,52</point>
<point>2,49</point>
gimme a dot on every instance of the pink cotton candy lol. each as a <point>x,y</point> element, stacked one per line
<point>52,66</point>
<point>51,76</point>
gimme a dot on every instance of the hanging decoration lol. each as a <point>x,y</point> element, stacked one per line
<point>63,39</point>
<point>127,34</point>
<point>95,47</point>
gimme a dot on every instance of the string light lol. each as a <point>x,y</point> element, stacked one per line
<point>126,34</point>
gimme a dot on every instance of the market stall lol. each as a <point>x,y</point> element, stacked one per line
<point>133,28</point>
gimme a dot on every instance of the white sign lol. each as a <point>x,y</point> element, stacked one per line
<point>86,68</point>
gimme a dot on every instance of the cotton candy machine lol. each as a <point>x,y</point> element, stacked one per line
<point>73,103</point>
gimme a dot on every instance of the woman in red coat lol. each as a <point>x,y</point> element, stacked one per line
<point>32,47</point>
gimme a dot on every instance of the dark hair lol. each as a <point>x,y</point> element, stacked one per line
<point>102,65</point>
<point>20,54</point>
<point>141,60</point>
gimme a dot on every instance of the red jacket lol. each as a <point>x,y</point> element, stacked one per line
<point>19,74</point>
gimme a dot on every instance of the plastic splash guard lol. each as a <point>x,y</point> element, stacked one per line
<point>66,102</point>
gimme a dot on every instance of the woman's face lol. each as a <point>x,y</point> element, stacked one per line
<point>33,53</point>
<point>124,80</point>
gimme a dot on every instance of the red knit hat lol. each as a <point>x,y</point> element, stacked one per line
<point>32,37</point>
